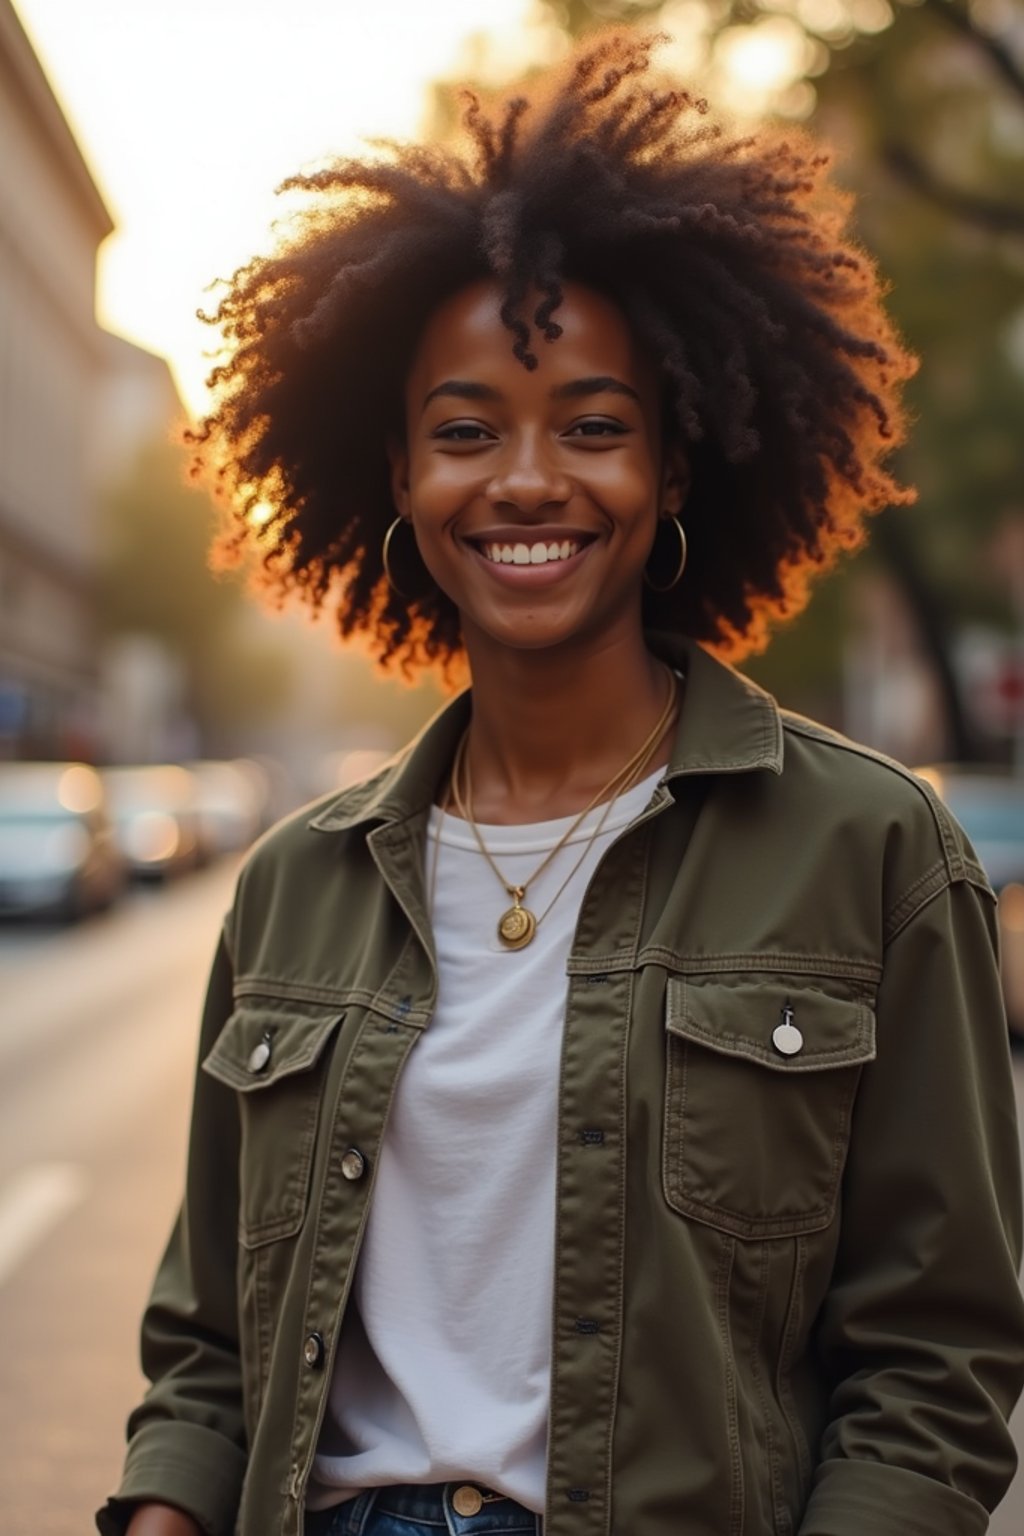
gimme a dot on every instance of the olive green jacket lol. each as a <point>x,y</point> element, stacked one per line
<point>785,1293</point>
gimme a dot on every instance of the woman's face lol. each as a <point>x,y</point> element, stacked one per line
<point>534,494</point>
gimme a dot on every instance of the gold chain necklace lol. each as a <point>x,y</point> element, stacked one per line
<point>517,925</point>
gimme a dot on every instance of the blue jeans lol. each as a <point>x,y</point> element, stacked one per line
<point>423,1511</point>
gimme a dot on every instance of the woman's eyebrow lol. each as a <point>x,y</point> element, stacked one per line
<point>462,389</point>
<point>601,384</point>
<point>575,389</point>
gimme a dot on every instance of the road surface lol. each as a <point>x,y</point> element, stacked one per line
<point>97,1033</point>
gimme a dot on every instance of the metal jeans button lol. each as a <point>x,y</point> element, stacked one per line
<point>467,1500</point>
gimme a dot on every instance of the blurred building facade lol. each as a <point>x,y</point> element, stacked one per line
<point>73,402</point>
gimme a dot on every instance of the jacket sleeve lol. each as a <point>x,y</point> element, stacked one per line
<point>921,1338</point>
<point>186,1440</point>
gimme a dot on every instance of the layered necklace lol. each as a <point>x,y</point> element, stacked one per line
<point>518,924</point>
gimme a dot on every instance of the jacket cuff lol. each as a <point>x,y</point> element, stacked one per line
<point>850,1497</point>
<point>194,1468</point>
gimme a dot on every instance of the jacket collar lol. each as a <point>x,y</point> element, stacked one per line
<point>727,725</point>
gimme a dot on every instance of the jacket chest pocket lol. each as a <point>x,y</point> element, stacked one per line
<point>760,1082</point>
<point>272,1054</point>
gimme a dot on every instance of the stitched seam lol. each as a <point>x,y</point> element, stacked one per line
<point>221,1066</point>
<point>781,1518</point>
<point>915,912</point>
<point>264,1325</point>
<point>923,888</point>
<point>623,1143</point>
<point>796,1224</point>
<point>808,1061</point>
<point>755,1369</point>
<point>284,991</point>
<point>621,1266</point>
<point>723,1279</point>
<point>836,967</point>
<point>785,1396</point>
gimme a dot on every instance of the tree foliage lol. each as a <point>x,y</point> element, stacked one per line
<point>924,104</point>
<point>155,581</point>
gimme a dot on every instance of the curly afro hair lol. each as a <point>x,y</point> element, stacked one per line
<point>781,372</point>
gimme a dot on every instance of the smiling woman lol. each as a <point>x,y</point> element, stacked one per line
<point>605,1121</point>
<point>774,371</point>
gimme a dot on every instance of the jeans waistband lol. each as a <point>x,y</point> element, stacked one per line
<point>436,1504</point>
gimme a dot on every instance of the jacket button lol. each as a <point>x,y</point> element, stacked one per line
<point>313,1350</point>
<point>353,1164</point>
<point>259,1056</point>
<point>787,1039</point>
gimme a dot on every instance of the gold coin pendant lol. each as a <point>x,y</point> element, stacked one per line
<point>517,927</point>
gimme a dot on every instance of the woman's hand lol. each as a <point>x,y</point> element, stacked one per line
<point>161,1520</point>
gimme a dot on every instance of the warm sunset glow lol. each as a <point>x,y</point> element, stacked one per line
<point>190,112</point>
<point>260,513</point>
<point>761,59</point>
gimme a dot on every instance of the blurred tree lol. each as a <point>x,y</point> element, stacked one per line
<point>292,686</point>
<point>925,99</point>
<point>155,581</point>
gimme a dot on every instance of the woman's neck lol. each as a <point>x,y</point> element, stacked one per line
<point>551,728</point>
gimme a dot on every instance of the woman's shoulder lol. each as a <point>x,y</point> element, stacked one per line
<point>843,781</point>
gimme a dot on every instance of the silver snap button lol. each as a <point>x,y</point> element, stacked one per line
<point>259,1056</point>
<point>313,1350</point>
<point>353,1164</point>
<point>786,1038</point>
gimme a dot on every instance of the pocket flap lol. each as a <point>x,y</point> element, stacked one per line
<point>263,1042</point>
<point>742,1018</point>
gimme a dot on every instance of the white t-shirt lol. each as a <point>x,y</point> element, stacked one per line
<point>443,1365</point>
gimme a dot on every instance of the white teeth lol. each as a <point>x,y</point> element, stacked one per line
<point>529,554</point>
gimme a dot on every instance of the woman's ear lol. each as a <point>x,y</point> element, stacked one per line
<point>398,458</point>
<point>675,481</point>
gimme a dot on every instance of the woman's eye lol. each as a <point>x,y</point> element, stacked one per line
<point>461,432</point>
<point>597,426</point>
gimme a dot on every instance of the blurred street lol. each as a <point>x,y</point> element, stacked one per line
<point>96,1046</point>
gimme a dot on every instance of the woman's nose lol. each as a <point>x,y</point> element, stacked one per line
<point>529,476</point>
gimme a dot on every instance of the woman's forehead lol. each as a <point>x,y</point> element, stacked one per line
<point>465,337</point>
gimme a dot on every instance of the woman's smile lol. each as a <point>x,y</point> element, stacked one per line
<point>530,558</point>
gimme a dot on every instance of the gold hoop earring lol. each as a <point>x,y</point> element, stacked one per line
<point>385,561</point>
<point>680,568</point>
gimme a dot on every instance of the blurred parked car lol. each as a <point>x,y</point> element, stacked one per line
<point>231,799</point>
<point>58,854</point>
<point>989,805</point>
<point>155,810</point>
